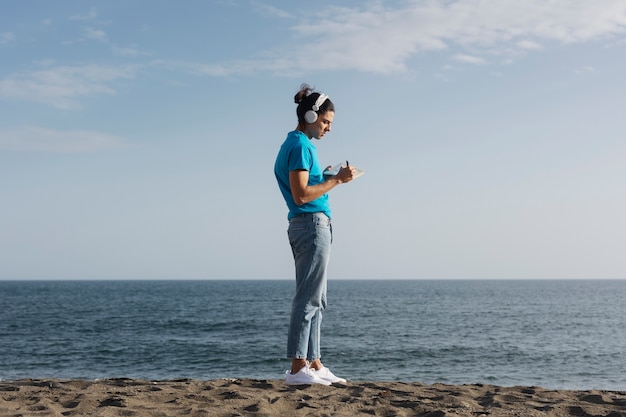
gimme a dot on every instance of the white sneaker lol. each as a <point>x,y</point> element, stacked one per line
<point>305,376</point>
<point>326,375</point>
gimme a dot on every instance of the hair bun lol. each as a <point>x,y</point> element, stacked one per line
<point>305,90</point>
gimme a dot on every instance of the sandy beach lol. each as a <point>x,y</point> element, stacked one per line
<point>272,398</point>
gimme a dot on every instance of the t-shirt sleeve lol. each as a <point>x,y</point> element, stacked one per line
<point>300,158</point>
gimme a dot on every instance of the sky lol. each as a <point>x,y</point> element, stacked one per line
<point>137,138</point>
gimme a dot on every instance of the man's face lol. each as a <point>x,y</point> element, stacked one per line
<point>322,124</point>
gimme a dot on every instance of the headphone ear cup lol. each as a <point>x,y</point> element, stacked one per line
<point>310,116</point>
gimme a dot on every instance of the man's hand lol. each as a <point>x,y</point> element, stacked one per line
<point>345,174</point>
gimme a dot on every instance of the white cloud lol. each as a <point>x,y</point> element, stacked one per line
<point>65,141</point>
<point>530,45</point>
<point>469,59</point>
<point>6,38</point>
<point>89,16</point>
<point>271,10</point>
<point>199,69</point>
<point>585,70</point>
<point>95,34</point>
<point>223,70</point>
<point>381,37</point>
<point>129,51</point>
<point>60,87</point>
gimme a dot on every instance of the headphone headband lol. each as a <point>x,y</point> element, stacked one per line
<point>320,100</point>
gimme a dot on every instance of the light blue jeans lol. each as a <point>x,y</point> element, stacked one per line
<point>310,237</point>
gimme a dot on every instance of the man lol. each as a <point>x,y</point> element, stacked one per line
<point>304,188</point>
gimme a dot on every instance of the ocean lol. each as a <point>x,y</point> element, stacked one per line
<point>561,334</point>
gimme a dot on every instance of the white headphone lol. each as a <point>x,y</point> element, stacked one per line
<point>311,116</point>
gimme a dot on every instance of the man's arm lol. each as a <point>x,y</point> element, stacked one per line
<point>303,193</point>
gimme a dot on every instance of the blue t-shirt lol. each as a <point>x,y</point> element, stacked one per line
<point>299,153</point>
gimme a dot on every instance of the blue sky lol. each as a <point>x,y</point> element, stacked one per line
<point>137,139</point>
